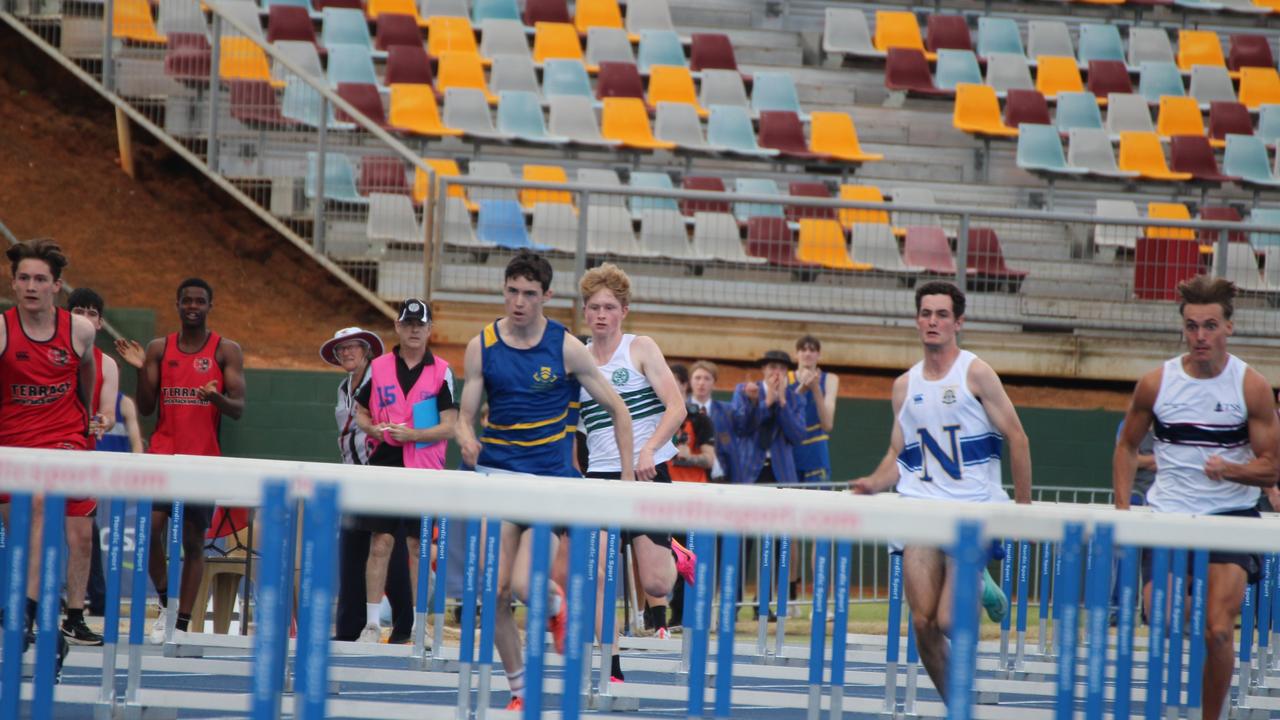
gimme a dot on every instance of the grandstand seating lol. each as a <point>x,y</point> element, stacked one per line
<point>950,32</point>
<point>1194,154</point>
<point>926,247</point>
<point>1025,106</point>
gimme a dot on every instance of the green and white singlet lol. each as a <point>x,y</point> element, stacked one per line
<point>645,406</point>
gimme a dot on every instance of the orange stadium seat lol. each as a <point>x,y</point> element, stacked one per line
<point>1180,116</point>
<point>556,41</point>
<point>861,193</point>
<point>822,242</point>
<point>627,120</point>
<point>447,34</point>
<point>596,13</point>
<point>897,28</point>
<point>1169,211</point>
<point>668,83</point>
<point>1140,152</point>
<point>243,59</point>
<point>977,112</point>
<point>544,173</point>
<point>131,20</point>
<point>442,168</point>
<point>833,133</point>
<point>414,110</point>
<point>1199,47</point>
<point>1259,86</point>
<point>462,70</point>
<point>376,8</point>
<point>1057,75</point>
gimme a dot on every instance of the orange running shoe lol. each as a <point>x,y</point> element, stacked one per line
<point>686,561</point>
<point>516,704</point>
<point>559,622</point>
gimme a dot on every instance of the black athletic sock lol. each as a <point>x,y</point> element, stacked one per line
<point>615,668</point>
<point>184,621</point>
<point>31,613</point>
<point>658,621</point>
<point>75,616</point>
<point>795,589</point>
<point>164,597</point>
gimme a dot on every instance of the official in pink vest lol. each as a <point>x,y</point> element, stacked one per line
<point>408,408</point>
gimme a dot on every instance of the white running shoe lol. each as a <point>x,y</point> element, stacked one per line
<point>156,635</point>
<point>370,634</point>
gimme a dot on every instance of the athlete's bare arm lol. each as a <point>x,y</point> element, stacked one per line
<point>648,357</point>
<point>885,475</point>
<point>1264,438</point>
<point>1137,420</point>
<point>129,412</point>
<point>985,384</point>
<point>578,360</point>
<point>824,396</point>
<point>82,333</point>
<point>105,419</point>
<point>4,334</point>
<point>230,401</point>
<point>147,362</point>
<point>469,404</point>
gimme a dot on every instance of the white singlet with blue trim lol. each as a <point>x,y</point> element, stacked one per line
<point>643,403</point>
<point>1194,419</point>
<point>951,449</point>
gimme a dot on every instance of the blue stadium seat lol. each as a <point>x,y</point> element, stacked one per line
<point>1264,216</point>
<point>998,35</point>
<point>350,64</point>
<point>520,114</point>
<point>339,178</point>
<point>1246,158</point>
<point>1269,124</point>
<point>653,181</point>
<point>1040,151</point>
<point>660,47</point>
<point>302,103</point>
<point>775,91</point>
<point>482,10</point>
<point>955,67</point>
<point>730,127</point>
<point>344,26</point>
<point>1099,42</point>
<point>501,222</point>
<point>1157,79</point>
<point>565,77</point>
<point>756,186</point>
<point>1078,110</point>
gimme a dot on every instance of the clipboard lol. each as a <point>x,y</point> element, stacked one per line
<point>426,414</point>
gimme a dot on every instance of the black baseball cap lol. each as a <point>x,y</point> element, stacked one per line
<point>414,310</point>
<point>775,356</point>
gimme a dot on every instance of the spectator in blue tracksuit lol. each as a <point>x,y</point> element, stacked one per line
<point>768,422</point>
<point>702,379</point>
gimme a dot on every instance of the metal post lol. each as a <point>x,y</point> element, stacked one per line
<point>962,251</point>
<point>269,641</point>
<point>691,538</point>
<point>211,149</point>
<point>1006,586</point>
<point>138,606</point>
<point>704,545</point>
<point>488,611</point>
<point>111,624</point>
<point>818,626</point>
<point>1195,666</point>
<point>440,208</point>
<point>1024,572</point>
<point>467,626</point>
<point>1246,644</point>
<point>580,617</point>
<point>591,598</point>
<point>725,632</point>
<point>429,210</point>
<point>1128,600</point>
<point>913,669</point>
<point>441,587</point>
<point>52,559</point>
<point>15,613</point>
<point>609,610</point>
<point>108,41</point>
<point>784,594</point>
<point>840,626</point>
<point>1275,611</point>
<point>417,656</point>
<point>1177,611</point>
<point>969,552</point>
<point>1220,253</point>
<point>894,632</point>
<point>580,254</point>
<point>1069,601</point>
<point>322,153</point>
<point>1099,598</point>
<point>764,579</point>
<point>536,620</point>
<point>1046,562</point>
<point>321,529</point>
<point>174,580</point>
<point>1157,614</point>
<point>1264,620</point>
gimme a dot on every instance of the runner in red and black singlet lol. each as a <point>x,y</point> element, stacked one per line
<point>47,374</point>
<point>191,379</point>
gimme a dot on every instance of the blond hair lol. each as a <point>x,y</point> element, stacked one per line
<point>706,365</point>
<point>606,277</point>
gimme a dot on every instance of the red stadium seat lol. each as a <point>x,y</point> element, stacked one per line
<point>1249,51</point>
<point>711,51</point>
<point>770,238</point>
<point>1220,213</point>
<point>188,56</point>
<point>1228,118</point>
<point>781,130</point>
<point>382,174</point>
<point>1025,106</point>
<point>814,190</point>
<point>554,11</point>
<point>408,64</point>
<point>926,247</point>
<point>397,29</point>
<point>1193,154</point>
<point>985,259</point>
<point>704,184</point>
<point>947,31</point>
<point>1160,264</point>
<point>290,22</point>
<point>619,79</point>
<point>254,102</point>
<point>1108,76</point>
<point>907,70</point>
<point>365,98</point>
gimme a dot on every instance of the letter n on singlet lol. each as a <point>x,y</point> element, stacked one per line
<point>950,463</point>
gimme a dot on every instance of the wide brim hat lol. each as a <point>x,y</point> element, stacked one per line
<point>775,356</point>
<point>327,350</point>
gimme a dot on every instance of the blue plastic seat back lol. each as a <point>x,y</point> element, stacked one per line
<point>1100,42</point>
<point>730,126</point>
<point>1157,79</point>
<point>339,178</point>
<point>774,91</point>
<point>654,181</point>
<point>482,10</point>
<point>1040,148</point>
<point>955,67</point>
<point>501,222</point>
<point>351,64</point>
<point>344,26</point>
<point>520,114</point>
<point>565,77</point>
<point>756,186</point>
<point>1269,124</point>
<point>1263,216</point>
<point>998,35</point>
<point>660,47</point>
<point>1078,110</point>
<point>1246,157</point>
